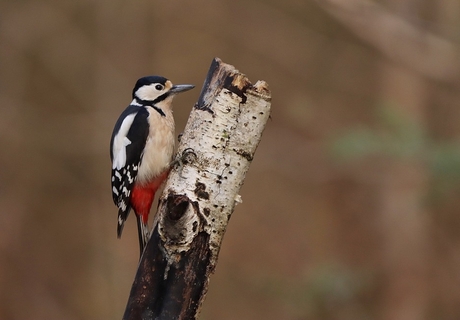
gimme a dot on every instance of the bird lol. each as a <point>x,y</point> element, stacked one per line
<point>141,150</point>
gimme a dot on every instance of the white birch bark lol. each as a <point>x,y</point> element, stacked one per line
<point>223,133</point>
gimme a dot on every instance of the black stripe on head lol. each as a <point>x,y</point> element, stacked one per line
<point>150,103</point>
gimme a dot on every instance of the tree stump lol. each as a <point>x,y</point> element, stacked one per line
<point>217,147</point>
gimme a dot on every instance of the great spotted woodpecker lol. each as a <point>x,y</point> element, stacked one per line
<point>141,150</point>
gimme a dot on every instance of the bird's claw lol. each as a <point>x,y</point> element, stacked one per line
<point>187,156</point>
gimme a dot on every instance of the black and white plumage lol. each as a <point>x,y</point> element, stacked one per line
<point>141,149</point>
<point>127,147</point>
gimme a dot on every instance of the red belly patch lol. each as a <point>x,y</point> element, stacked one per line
<point>142,196</point>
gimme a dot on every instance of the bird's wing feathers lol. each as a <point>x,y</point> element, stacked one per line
<point>127,144</point>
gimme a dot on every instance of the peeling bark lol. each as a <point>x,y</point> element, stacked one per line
<point>218,144</point>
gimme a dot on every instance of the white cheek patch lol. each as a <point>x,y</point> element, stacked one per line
<point>120,142</point>
<point>148,92</point>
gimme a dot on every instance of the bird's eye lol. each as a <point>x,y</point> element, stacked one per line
<point>159,87</point>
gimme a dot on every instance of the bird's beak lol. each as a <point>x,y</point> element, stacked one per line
<point>181,88</point>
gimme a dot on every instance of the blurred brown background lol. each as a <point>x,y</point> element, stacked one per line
<point>350,208</point>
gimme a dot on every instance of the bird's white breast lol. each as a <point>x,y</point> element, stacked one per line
<point>159,147</point>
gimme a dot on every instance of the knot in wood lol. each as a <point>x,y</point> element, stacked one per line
<point>176,206</point>
<point>178,223</point>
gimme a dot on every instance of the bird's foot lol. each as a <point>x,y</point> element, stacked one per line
<point>187,156</point>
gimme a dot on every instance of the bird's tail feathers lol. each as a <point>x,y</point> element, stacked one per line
<point>122,216</point>
<point>143,231</point>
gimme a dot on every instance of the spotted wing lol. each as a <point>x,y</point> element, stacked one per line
<point>127,145</point>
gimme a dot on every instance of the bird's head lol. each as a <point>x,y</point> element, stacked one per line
<point>155,90</point>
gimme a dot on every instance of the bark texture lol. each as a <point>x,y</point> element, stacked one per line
<point>217,147</point>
